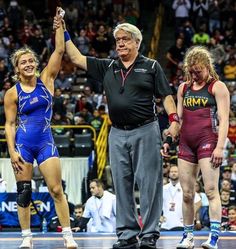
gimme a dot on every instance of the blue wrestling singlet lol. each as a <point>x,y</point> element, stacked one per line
<point>34,138</point>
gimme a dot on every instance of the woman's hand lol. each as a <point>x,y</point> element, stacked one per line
<point>16,162</point>
<point>217,157</point>
<point>58,18</point>
<point>166,146</point>
<point>173,130</point>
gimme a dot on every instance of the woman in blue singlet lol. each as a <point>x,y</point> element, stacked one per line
<point>28,108</point>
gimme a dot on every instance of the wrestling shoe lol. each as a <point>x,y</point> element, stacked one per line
<point>211,243</point>
<point>27,243</point>
<point>131,243</point>
<point>69,242</point>
<point>186,242</point>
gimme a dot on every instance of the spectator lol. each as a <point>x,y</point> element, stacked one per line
<point>90,31</point>
<point>3,145</point>
<point>228,186</point>
<point>82,42</point>
<point>172,218</point>
<point>204,218</point>
<point>229,38</point>
<point>84,108</point>
<point>58,119</point>
<point>232,130</point>
<point>101,42</point>
<point>6,86</point>
<point>230,69</point>
<point>90,96</point>
<point>38,43</point>
<point>78,210</point>
<point>3,71</point>
<point>131,14</point>
<point>175,56</point>
<point>232,218</point>
<point>78,214</point>
<point>26,32</point>
<point>59,103</point>
<point>4,46</point>
<point>226,175</point>
<point>214,15</point>
<point>3,14</point>
<point>225,204</point>
<point>233,167</point>
<point>118,5</point>
<point>100,209</point>
<point>218,53</point>
<point>15,15</point>
<point>188,31</point>
<point>200,12</point>
<point>217,36</point>
<point>181,8</point>
<point>72,17</point>
<point>30,16</point>
<point>67,66</point>
<point>79,120</point>
<point>227,146</point>
<point>63,82</point>
<point>97,121</point>
<point>201,37</point>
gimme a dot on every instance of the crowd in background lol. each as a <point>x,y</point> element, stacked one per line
<point>210,23</point>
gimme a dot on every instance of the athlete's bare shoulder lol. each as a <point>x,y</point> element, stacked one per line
<point>11,94</point>
<point>219,86</point>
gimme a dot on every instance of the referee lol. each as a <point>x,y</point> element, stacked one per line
<point>131,83</point>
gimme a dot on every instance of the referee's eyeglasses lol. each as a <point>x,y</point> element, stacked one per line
<point>124,39</point>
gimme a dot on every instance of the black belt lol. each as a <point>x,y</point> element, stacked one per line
<point>131,127</point>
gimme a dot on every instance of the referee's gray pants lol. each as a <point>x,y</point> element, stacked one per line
<point>135,157</point>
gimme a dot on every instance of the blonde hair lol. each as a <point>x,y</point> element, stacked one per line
<point>15,57</point>
<point>198,55</point>
<point>130,28</point>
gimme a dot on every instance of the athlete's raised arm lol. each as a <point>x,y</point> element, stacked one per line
<point>50,72</point>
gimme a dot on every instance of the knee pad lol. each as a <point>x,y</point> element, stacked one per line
<point>24,192</point>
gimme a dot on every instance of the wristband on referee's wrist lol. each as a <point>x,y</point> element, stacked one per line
<point>66,36</point>
<point>173,117</point>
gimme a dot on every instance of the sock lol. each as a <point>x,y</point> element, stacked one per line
<point>26,233</point>
<point>215,228</point>
<point>188,228</point>
<point>66,231</point>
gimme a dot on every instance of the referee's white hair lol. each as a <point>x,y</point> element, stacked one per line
<point>130,28</point>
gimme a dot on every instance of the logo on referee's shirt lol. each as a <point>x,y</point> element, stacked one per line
<point>140,70</point>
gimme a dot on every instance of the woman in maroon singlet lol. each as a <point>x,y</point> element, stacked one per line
<point>203,108</point>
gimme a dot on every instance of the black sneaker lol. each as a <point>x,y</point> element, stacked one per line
<point>149,242</point>
<point>131,243</point>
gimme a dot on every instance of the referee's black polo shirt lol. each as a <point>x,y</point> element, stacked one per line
<point>144,81</point>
